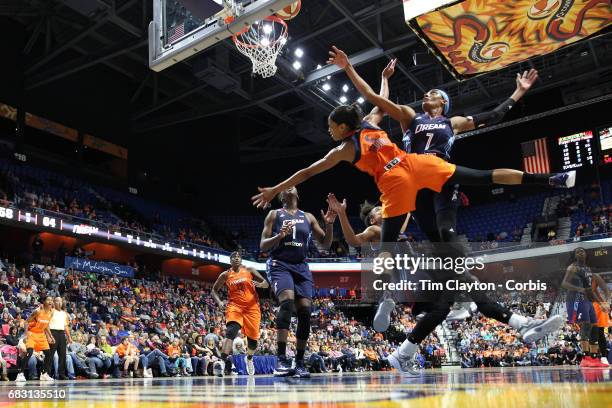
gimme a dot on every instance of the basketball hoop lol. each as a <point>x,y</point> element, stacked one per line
<point>262,42</point>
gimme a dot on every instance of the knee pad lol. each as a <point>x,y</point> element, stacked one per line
<point>231,331</point>
<point>251,344</point>
<point>283,319</point>
<point>303,326</point>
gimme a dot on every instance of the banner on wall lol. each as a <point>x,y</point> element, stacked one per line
<point>106,147</point>
<point>102,268</point>
<point>52,127</point>
<point>477,36</point>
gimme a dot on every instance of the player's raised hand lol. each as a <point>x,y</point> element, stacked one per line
<point>285,231</point>
<point>264,198</point>
<point>335,205</point>
<point>338,57</point>
<point>330,216</point>
<point>389,69</point>
<point>525,80</point>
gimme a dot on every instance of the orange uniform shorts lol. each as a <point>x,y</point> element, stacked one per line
<point>37,341</point>
<point>603,317</point>
<point>399,186</point>
<point>249,319</point>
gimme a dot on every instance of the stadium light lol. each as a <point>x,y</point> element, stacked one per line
<point>299,52</point>
<point>267,29</point>
<point>345,88</point>
<point>343,99</point>
<point>326,87</point>
<point>297,65</point>
<point>360,100</point>
<point>319,66</point>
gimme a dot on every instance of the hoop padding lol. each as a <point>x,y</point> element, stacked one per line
<point>263,48</point>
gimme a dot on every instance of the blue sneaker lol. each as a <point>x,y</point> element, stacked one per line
<point>300,370</point>
<point>283,367</point>
<point>563,180</point>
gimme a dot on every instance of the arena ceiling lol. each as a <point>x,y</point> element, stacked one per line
<point>68,37</point>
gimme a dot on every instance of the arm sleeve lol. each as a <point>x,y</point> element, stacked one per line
<point>494,116</point>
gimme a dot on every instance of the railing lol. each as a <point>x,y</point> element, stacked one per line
<point>143,235</point>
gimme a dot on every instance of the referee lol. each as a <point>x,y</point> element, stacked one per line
<point>60,329</point>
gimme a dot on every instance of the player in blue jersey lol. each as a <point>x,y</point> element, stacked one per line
<point>287,234</point>
<point>434,133</point>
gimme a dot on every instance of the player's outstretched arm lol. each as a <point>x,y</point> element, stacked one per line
<point>354,240</point>
<point>376,115</point>
<point>344,152</point>
<point>403,114</point>
<point>325,238</point>
<point>524,82</point>
<point>217,286</point>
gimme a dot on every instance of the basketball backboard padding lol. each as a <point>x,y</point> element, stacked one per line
<point>213,31</point>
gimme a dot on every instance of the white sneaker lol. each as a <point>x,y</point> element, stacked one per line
<point>382,318</point>
<point>250,366</point>
<point>458,314</point>
<point>46,377</point>
<point>534,329</point>
<point>405,365</point>
<point>147,373</point>
<point>218,368</point>
<point>20,378</point>
<point>339,368</point>
<point>604,360</point>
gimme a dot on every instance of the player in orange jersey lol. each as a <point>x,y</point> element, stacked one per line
<point>37,338</point>
<point>242,310</point>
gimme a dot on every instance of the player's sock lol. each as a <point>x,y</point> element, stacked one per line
<point>533,178</point>
<point>281,349</point>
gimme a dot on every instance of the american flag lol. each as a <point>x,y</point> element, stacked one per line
<point>535,156</point>
<point>176,32</point>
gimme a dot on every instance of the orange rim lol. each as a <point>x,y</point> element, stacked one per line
<point>274,19</point>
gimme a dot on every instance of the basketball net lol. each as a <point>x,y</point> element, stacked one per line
<point>262,42</point>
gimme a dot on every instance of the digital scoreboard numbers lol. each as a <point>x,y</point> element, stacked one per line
<point>605,143</point>
<point>577,150</point>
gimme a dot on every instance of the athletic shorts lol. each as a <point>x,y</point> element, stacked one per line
<point>580,310</point>
<point>249,318</point>
<point>288,276</point>
<point>37,341</point>
<point>603,317</point>
<point>400,185</point>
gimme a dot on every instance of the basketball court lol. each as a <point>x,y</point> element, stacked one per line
<point>451,387</point>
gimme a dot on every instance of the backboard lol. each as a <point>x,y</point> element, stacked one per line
<point>182,28</point>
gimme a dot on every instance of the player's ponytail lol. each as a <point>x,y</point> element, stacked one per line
<point>350,115</point>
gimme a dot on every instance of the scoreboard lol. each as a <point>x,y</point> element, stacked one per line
<point>577,150</point>
<point>605,142</point>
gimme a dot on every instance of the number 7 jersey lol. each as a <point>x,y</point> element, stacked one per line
<point>294,247</point>
<point>430,135</point>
